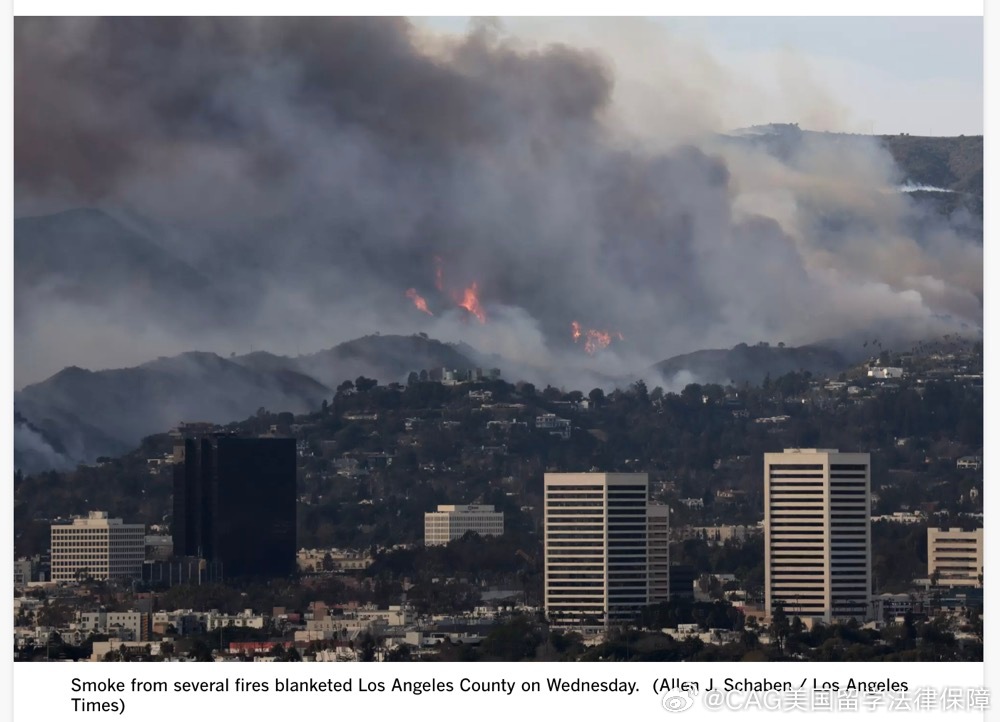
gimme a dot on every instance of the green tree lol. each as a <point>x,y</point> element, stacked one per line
<point>780,627</point>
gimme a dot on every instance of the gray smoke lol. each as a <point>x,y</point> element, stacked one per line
<point>35,453</point>
<point>314,170</point>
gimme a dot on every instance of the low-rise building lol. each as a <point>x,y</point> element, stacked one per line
<point>725,532</point>
<point>888,608</point>
<point>452,521</point>
<point>128,626</point>
<point>159,547</point>
<point>970,462</point>
<point>23,571</point>
<point>97,547</point>
<point>885,372</point>
<point>901,517</point>
<point>554,425</point>
<point>332,560</point>
<point>955,557</point>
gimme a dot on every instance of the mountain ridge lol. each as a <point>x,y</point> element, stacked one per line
<point>123,405</point>
<point>752,364</point>
<point>84,414</point>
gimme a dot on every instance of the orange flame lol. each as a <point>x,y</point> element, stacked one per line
<point>594,340</point>
<point>418,301</point>
<point>470,302</point>
<point>467,299</point>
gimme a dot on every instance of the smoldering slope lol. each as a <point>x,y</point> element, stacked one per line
<point>317,169</point>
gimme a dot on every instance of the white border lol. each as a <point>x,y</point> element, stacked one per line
<point>688,8</point>
<point>42,688</point>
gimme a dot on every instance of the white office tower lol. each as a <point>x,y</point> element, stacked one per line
<point>97,547</point>
<point>452,521</point>
<point>596,549</point>
<point>817,534</point>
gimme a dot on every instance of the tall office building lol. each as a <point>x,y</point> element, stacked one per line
<point>97,547</point>
<point>234,503</point>
<point>598,550</point>
<point>817,533</point>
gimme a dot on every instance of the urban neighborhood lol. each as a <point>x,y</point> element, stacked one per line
<point>449,519</point>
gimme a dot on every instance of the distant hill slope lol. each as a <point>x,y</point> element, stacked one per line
<point>952,164</point>
<point>85,414</point>
<point>743,363</point>
<point>386,358</point>
<point>78,415</point>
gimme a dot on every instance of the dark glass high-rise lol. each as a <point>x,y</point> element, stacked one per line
<point>234,503</point>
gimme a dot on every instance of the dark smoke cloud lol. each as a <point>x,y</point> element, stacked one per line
<point>314,169</point>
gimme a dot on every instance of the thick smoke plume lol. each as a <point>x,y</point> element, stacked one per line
<point>35,452</point>
<point>314,171</point>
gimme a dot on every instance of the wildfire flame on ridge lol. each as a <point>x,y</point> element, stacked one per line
<point>594,339</point>
<point>418,301</point>
<point>470,302</point>
<point>467,299</point>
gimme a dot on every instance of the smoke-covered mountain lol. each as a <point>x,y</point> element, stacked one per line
<point>386,358</point>
<point>945,174</point>
<point>85,414</point>
<point>327,178</point>
<point>78,415</point>
<point>749,364</point>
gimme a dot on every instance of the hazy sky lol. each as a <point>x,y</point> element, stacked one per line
<point>917,75</point>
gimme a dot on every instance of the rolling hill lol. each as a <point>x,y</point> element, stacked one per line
<point>751,364</point>
<point>77,415</point>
